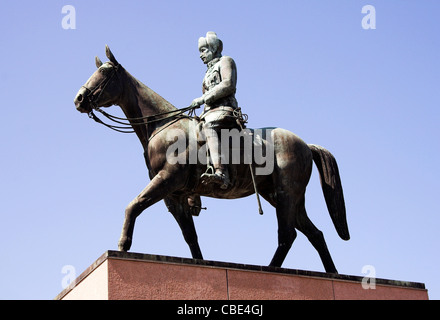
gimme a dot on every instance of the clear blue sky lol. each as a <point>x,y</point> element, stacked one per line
<point>369,96</point>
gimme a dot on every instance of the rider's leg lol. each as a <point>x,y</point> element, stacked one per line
<point>221,174</point>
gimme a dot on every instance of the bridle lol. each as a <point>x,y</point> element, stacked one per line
<point>90,93</point>
<point>127,126</point>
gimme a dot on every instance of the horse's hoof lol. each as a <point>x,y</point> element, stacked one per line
<point>124,245</point>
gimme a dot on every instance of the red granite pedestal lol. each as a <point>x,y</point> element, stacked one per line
<point>121,276</point>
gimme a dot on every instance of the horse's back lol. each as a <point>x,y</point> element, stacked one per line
<point>293,157</point>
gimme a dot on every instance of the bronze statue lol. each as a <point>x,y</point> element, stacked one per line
<point>160,127</point>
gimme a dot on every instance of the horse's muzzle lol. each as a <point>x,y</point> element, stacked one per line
<point>81,102</point>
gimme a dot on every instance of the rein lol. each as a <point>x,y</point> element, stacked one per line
<point>128,126</point>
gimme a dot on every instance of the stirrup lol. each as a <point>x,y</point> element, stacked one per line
<point>216,178</point>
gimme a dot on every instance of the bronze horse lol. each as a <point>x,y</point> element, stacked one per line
<point>152,118</point>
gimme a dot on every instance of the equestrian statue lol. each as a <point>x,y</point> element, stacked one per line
<point>189,156</point>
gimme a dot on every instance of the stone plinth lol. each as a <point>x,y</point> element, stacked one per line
<point>121,275</point>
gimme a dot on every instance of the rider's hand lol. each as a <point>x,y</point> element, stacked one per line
<point>197,102</point>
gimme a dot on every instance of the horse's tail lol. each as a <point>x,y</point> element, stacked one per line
<point>332,188</point>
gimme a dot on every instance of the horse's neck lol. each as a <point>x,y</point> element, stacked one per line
<point>140,101</point>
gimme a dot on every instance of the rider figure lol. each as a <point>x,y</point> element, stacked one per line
<point>219,86</point>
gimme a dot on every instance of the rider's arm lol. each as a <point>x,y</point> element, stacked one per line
<point>227,86</point>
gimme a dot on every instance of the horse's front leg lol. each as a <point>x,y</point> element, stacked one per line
<point>156,190</point>
<point>181,210</point>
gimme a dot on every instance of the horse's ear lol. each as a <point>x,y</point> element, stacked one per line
<point>98,62</point>
<point>110,55</point>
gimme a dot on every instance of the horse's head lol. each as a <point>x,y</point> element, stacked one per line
<point>103,88</point>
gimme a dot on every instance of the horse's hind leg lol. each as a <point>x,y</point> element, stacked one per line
<point>316,238</point>
<point>286,228</point>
